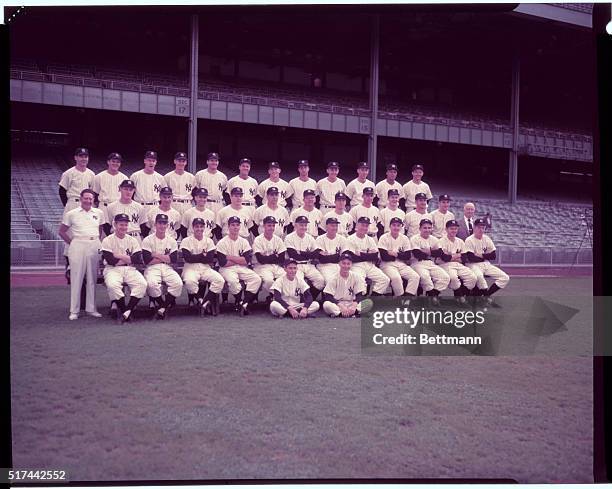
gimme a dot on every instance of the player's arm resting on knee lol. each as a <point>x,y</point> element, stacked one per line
<point>63,232</point>
<point>404,255</point>
<point>386,255</point>
<point>473,258</point>
<point>278,297</point>
<point>190,257</point>
<point>420,254</point>
<point>444,256</point>
<point>489,256</point>
<point>110,258</point>
<point>297,255</point>
<point>63,195</point>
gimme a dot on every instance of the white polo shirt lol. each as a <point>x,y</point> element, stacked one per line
<point>84,224</point>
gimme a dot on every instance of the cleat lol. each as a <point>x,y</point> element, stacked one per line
<point>126,316</point>
<point>161,313</point>
<point>435,301</point>
<point>94,314</point>
<point>72,317</point>
<point>243,309</point>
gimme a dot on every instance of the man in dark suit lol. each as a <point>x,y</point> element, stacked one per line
<point>466,223</point>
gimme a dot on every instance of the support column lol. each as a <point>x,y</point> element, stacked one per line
<point>374,71</point>
<point>193,84</point>
<point>514,123</point>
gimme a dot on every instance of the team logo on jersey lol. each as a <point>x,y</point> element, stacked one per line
<point>157,187</point>
<point>281,223</point>
<point>210,224</point>
<point>128,252</point>
<point>317,224</point>
<point>220,185</point>
<point>172,226</point>
<point>166,251</point>
<point>283,194</point>
<point>94,217</point>
<point>135,218</point>
<point>375,218</point>
<point>298,292</point>
<point>484,249</point>
<point>188,187</point>
<point>338,250</point>
<point>252,192</point>
<point>351,290</point>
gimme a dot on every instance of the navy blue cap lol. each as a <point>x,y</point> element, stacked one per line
<point>418,167</point>
<point>274,164</point>
<point>199,191</point>
<point>198,220</point>
<point>270,220</point>
<point>368,190</point>
<point>309,191</point>
<point>452,222</point>
<point>236,191</point>
<point>289,261</point>
<point>444,197</point>
<point>333,164</point>
<point>114,156</point>
<point>392,191</point>
<point>301,219</point>
<point>122,217</point>
<point>161,218</point>
<point>346,256</point>
<point>127,183</point>
<point>363,164</point>
<point>392,166</point>
<point>364,220</point>
<point>340,195</point>
<point>180,156</point>
<point>165,191</point>
<point>81,152</point>
<point>420,195</point>
<point>233,219</point>
<point>425,221</point>
<point>212,156</point>
<point>480,222</point>
<point>303,163</point>
<point>150,154</point>
<point>272,190</point>
<point>332,220</point>
<point>396,220</point>
<point>244,160</point>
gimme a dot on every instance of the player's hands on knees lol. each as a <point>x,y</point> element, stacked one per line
<point>293,312</point>
<point>303,313</point>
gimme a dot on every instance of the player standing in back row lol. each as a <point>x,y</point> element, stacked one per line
<point>182,184</point>
<point>75,180</point>
<point>300,184</point>
<point>354,189</point>
<point>416,186</point>
<point>390,183</point>
<point>106,183</point>
<point>329,186</point>
<point>274,180</point>
<point>247,183</point>
<point>148,181</point>
<point>214,181</point>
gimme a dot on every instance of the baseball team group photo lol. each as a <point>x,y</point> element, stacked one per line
<point>208,204</point>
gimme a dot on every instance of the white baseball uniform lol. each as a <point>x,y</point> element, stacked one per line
<point>228,211</point>
<point>368,269</point>
<point>148,186</point>
<point>206,214</point>
<point>280,213</point>
<point>345,226</point>
<point>216,184</point>
<point>354,190</point>
<point>136,212</point>
<point>107,188</point>
<point>292,292</point>
<point>485,268</point>
<point>305,244</point>
<point>194,272</point>
<point>249,190</point>
<point>327,191</point>
<point>382,191</point>
<point>284,190</point>
<point>439,221</point>
<point>181,185</point>
<point>372,212</point>
<point>161,272</point>
<point>74,181</point>
<point>398,269</point>
<point>344,291</point>
<point>413,221</point>
<point>315,219</point>
<point>411,189</point>
<point>117,275</point>
<point>457,271</point>
<point>432,276</point>
<point>233,274</point>
<point>387,214</point>
<point>298,186</point>
<point>329,246</point>
<point>268,272</point>
<point>174,220</point>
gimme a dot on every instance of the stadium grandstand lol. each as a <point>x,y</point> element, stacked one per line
<point>290,83</point>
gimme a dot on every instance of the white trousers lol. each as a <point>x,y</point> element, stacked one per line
<point>115,277</point>
<point>459,273</point>
<point>194,272</point>
<point>333,309</point>
<point>367,269</point>
<point>235,273</point>
<point>162,272</point>
<point>84,259</point>
<point>432,276</point>
<point>396,271</point>
<point>328,270</point>
<point>181,207</point>
<point>485,269</point>
<point>311,273</point>
<point>278,310</point>
<point>268,273</point>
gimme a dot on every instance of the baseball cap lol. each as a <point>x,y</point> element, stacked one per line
<point>392,191</point>
<point>340,195</point>
<point>452,222</point>
<point>127,183</point>
<point>198,220</point>
<point>274,164</point>
<point>418,167</point>
<point>420,195</point>
<point>301,219</point>
<point>425,221</point>
<point>289,261</point>
<point>368,190</point>
<point>212,156</point>
<point>332,220</point>
<point>480,222</point>
<point>364,220</point>
<point>346,256</point>
<point>309,191</point>
<point>244,160</point>
<point>444,197</point>
<point>396,220</point>
<point>199,191</point>
<point>165,191</point>
<point>363,164</point>
<point>272,190</point>
<point>333,164</point>
<point>180,156</point>
<point>236,191</point>
<point>269,219</point>
<point>392,166</point>
<point>81,152</point>
<point>150,154</point>
<point>122,217</point>
<point>161,218</point>
<point>114,156</point>
<point>233,219</point>
<point>303,163</point>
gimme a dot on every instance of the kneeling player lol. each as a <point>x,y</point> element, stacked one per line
<point>292,296</point>
<point>342,296</point>
<point>453,257</point>
<point>121,252</point>
<point>199,255</point>
<point>394,248</point>
<point>480,249</point>
<point>160,252</point>
<point>424,250</point>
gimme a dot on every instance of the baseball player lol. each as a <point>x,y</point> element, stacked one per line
<point>200,196</point>
<point>274,180</point>
<point>291,295</point>
<point>214,181</point>
<point>328,187</point>
<point>330,245</point>
<point>425,249</point>
<point>392,210</point>
<point>367,209</point>
<point>246,183</point>
<point>302,248</point>
<point>415,186</point>
<point>75,180</point>
<point>415,216</point>
<point>125,205</point>
<point>234,255</point>
<point>346,223</point>
<point>85,226</point>
<point>365,256</point>
<point>148,181</point>
<point>106,183</point>
<point>235,209</point>
<point>301,183</point>
<point>452,260</point>
<point>441,216</point>
<point>272,208</point>
<point>269,254</point>
<point>390,183</point>
<point>159,253</point>
<point>182,184</point>
<point>354,189</point>
<point>121,252</point>
<point>198,252</point>
<point>308,209</point>
<point>165,207</point>
<point>343,295</point>
<point>479,250</point>
<point>395,252</point>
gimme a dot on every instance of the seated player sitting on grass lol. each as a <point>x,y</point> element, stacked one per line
<point>292,296</point>
<point>342,296</point>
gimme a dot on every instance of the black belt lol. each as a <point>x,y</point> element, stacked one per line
<point>303,262</point>
<point>328,206</point>
<point>182,201</point>
<point>371,235</point>
<point>212,200</point>
<point>133,233</point>
<point>105,204</point>
<point>247,203</point>
<point>77,200</point>
<point>149,203</point>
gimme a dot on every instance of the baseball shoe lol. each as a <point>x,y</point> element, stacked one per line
<point>72,317</point>
<point>151,303</point>
<point>435,301</point>
<point>113,310</point>
<point>126,317</point>
<point>160,313</point>
<point>94,314</point>
<point>244,311</point>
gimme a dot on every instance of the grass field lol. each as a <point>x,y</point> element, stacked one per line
<point>257,397</point>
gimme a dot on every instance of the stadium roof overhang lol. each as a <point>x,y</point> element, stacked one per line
<point>555,13</point>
